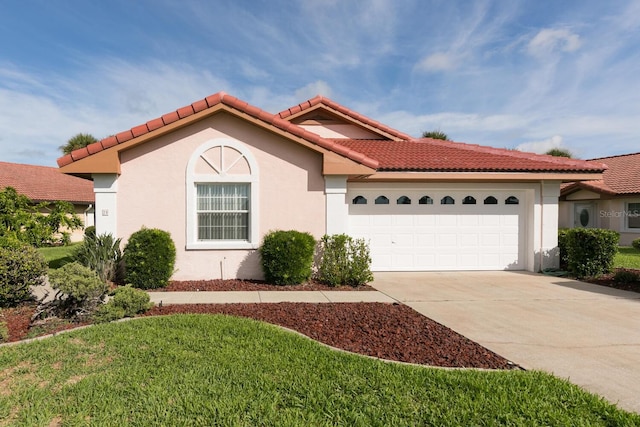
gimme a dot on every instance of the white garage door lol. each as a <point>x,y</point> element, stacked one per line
<point>440,230</point>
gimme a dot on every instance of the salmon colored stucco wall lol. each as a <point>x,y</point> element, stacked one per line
<point>152,192</point>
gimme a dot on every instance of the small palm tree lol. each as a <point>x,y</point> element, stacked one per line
<point>80,140</point>
<point>435,134</point>
<point>559,152</point>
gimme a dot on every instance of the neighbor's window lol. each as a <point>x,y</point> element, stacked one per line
<point>633,215</point>
<point>223,211</point>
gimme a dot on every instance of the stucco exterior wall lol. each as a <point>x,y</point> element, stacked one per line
<point>152,192</point>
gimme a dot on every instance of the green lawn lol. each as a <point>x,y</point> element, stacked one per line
<point>627,257</point>
<point>219,370</point>
<point>57,256</point>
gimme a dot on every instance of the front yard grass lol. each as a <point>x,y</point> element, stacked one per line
<point>627,257</point>
<point>57,256</point>
<point>222,370</point>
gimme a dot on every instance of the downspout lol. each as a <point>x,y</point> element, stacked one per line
<point>86,211</point>
<point>541,224</point>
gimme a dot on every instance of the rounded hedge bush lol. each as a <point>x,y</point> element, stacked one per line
<point>636,244</point>
<point>590,251</point>
<point>149,258</point>
<point>21,266</point>
<point>287,257</point>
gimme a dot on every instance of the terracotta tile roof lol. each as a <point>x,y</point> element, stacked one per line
<point>426,154</point>
<point>210,102</point>
<point>321,100</point>
<point>42,183</point>
<point>622,176</point>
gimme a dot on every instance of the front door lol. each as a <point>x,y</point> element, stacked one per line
<point>584,215</point>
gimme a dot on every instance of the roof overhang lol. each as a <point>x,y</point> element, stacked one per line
<point>107,161</point>
<point>478,176</point>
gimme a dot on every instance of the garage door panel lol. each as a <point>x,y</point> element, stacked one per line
<point>441,237</point>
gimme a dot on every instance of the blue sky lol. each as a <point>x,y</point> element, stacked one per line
<point>510,74</point>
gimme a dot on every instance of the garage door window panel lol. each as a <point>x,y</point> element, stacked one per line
<point>511,200</point>
<point>490,201</point>
<point>403,200</point>
<point>447,200</point>
<point>359,200</point>
<point>382,200</point>
<point>469,200</point>
<point>425,200</point>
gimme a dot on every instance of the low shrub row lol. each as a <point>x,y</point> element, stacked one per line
<point>288,259</point>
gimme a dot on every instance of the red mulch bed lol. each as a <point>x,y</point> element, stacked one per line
<point>607,280</point>
<point>251,285</point>
<point>388,331</point>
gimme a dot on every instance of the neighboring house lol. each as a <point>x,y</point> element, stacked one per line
<point>219,174</point>
<point>612,202</point>
<point>47,184</point>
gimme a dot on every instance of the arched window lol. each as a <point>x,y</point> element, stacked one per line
<point>403,200</point>
<point>447,200</point>
<point>425,200</point>
<point>382,200</point>
<point>222,196</point>
<point>511,200</point>
<point>359,200</point>
<point>490,201</point>
<point>469,200</point>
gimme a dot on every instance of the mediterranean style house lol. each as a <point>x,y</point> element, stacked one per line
<point>47,184</point>
<point>612,202</point>
<point>220,173</point>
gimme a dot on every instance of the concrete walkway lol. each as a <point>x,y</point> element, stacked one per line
<point>225,297</point>
<point>586,333</point>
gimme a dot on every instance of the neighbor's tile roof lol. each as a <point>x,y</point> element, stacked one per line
<point>622,176</point>
<point>321,100</point>
<point>42,183</point>
<point>210,102</point>
<point>426,154</point>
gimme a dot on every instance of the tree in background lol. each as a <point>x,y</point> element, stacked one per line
<point>23,220</point>
<point>435,134</point>
<point>559,152</point>
<point>80,140</point>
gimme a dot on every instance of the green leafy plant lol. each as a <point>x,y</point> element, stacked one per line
<point>125,302</point>
<point>636,244</point>
<point>562,248</point>
<point>149,258</point>
<point>90,231</point>
<point>626,276</point>
<point>79,291</point>
<point>24,220</point>
<point>344,261</point>
<point>591,251</point>
<point>287,257</point>
<point>21,266</point>
<point>102,254</point>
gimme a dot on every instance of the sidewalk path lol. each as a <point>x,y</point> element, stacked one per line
<point>226,297</point>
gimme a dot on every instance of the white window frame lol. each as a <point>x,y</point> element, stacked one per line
<point>221,177</point>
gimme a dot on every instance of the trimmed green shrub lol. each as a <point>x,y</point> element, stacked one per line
<point>21,266</point>
<point>562,248</point>
<point>102,254</point>
<point>626,276</point>
<point>79,290</point>
<point>287,257</point>
<point>590,251</point>
<point>344,261</point>
<point>126,302</point>
<point>149,258</point>
<point>90,231</point>
<point>636,244</point>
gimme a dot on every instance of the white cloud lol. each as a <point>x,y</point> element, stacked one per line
<point>550,40</point>
<point>541,147</point>
<point>318,87</point>
<point>435,62</point>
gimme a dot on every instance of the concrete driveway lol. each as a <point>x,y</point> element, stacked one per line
<point>585,333</point>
